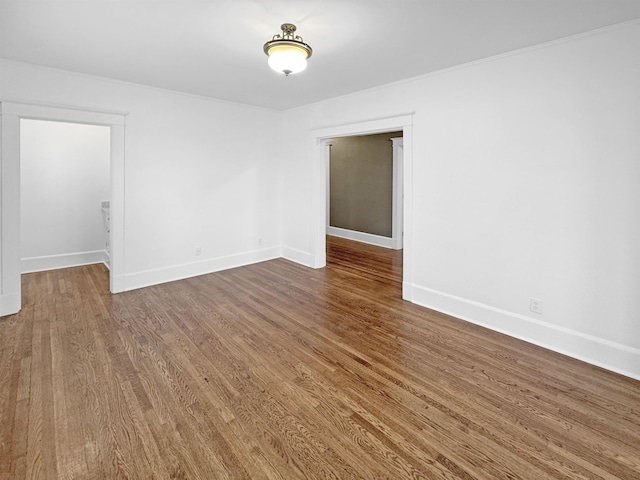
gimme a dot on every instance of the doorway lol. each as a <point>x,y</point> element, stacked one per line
<point>402,123</point>
<point>11,113</point>
<point>364,189</point>
<point>64,191</point>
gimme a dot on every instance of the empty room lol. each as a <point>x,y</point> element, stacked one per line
<point>181,296</point>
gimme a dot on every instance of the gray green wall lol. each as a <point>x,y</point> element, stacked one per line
<point>361,183</point>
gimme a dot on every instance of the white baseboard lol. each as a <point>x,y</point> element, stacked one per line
<point>371,239</point>
<point>298,256</point>
<point>66,260</point>
<point>132,281</point>
<point>609,355</point>
<point>9,304</point>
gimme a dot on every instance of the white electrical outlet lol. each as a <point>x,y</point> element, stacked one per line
<point>198,251</point>
<point>535,305</point>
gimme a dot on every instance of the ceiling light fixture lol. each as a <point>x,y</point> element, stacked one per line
<point>287,52</point>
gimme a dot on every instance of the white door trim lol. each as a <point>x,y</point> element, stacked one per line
<point>398,181</point>
<point>10,114</point>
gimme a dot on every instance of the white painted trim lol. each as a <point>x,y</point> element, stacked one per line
<point>370,238</point>
<point>10,114</point>
<point>407,212</point>
<point>132,281</point>
<point>609,355</point>
<point>117,209</point>
<point>298,256</point>
<point>62,113</point>
<point>10,284</point>
<point>10,303</point>
<point>380,125</point>
<point>320,202</point>
<point>397,194</point>
<point>328,168</point>
<point>67,260</point>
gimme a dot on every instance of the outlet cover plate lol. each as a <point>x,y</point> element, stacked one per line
<point>535,305</point>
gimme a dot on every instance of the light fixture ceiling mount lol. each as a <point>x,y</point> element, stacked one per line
<point>287,51</point>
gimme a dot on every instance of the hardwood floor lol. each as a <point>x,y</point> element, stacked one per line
<point>276,371</point>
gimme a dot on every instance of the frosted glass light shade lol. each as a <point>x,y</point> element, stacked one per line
<point>287,59</point>
<point>287,52</point>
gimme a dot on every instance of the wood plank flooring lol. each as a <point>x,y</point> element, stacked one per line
<point>276,371</point>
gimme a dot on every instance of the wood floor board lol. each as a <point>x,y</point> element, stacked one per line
<point>277,371</point>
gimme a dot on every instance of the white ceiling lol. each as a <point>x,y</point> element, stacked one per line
<point>214,47</point>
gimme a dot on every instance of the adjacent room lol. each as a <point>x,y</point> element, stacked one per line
<point>278,239</point>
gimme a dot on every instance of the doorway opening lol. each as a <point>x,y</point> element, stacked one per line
<point>321,173</point>
<point>11,114</point>
<point>364,189</point>
<point>64,191</point>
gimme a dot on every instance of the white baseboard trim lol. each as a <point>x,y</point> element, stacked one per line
<point>66,260</point>
<point>371,239</point>
<point>298,256</point>
<point>133,281</point>
<point>407,292</point>
<point>609,355</point>
<point>9,304</point>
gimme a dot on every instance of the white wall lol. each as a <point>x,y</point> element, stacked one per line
<point>65,175</point>
<point>525,184</point>
<point>198,172</point>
